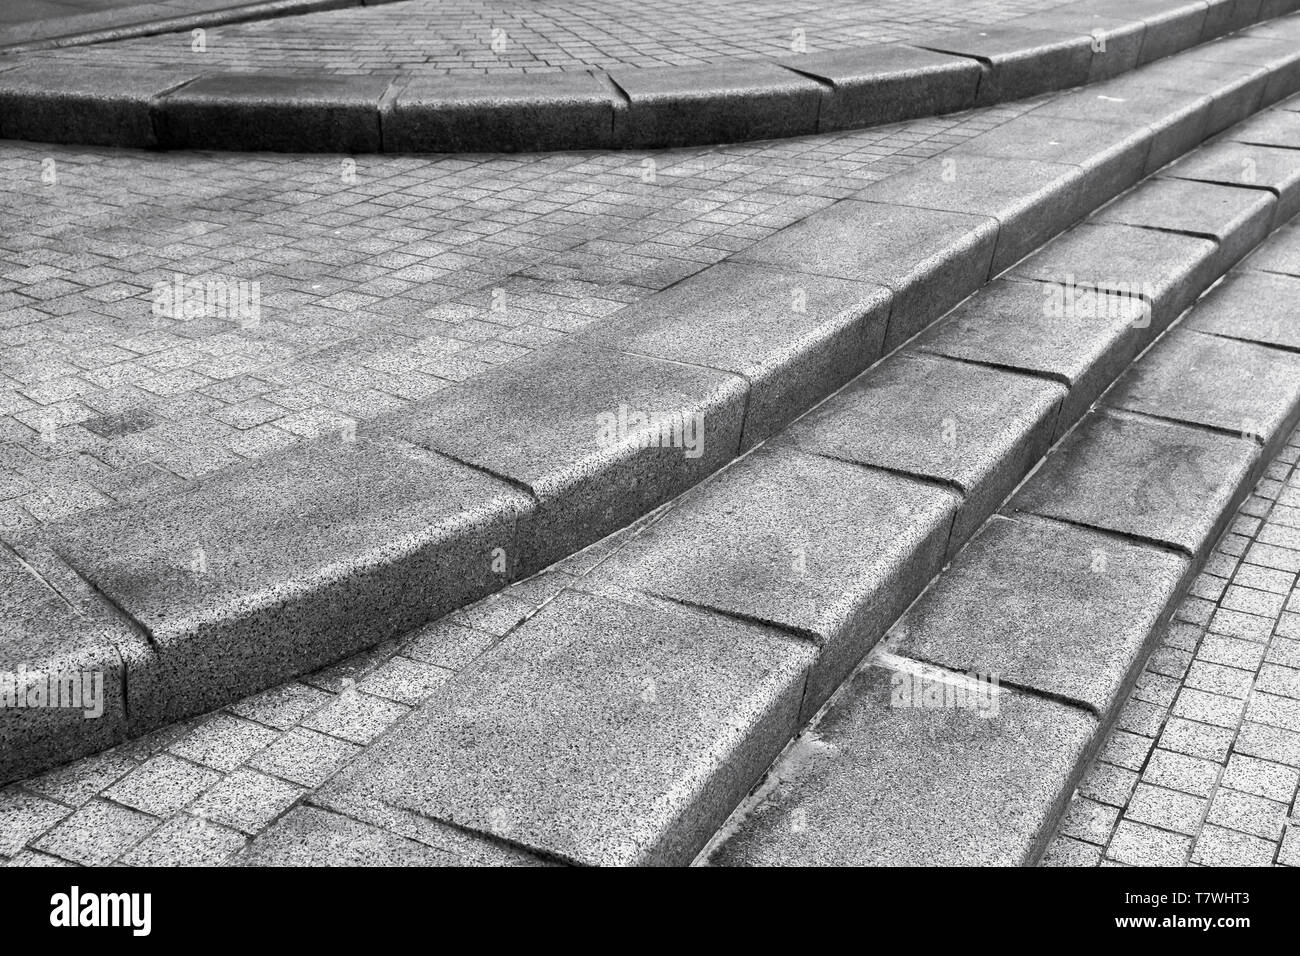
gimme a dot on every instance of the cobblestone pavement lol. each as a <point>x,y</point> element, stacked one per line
<point>379,281</point>
<point>1203,763</point>
<point>486,36</point>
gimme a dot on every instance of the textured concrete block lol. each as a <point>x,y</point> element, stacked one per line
<point>1253,307</point>
<point>1237,219</point>
<point>880,784</point>
<point>92,105</point>
<point>930,259</point>
<point>1281,254</point>
<point>1018,61</point>
<point>978,430</point>
<point>888,82</point>
<point>1151,480</point>
<point>723,102</point>
<point>822,548</point>
<point>1058,609</point>
<point>500,111</point>
<point>599,732</point>
<point>1257,167</point>
<point>1031,201</point>
<point>1229,16</point>
<point>1171,25</point>
<point>1175,119</point>
<point>62,688</point>
<point>1218,383</point>
<point>1281,58</point>
<point>309,836</point>
<point>794,337</point>
<point>286,113</point>
<point>1271,128</point>
<point>1167,270</point>
<point>597,436</point>
<point>1116,40</point>
<point>1236,90</point>
<point>1084,344</point>
<point>1111,156</point>
<point>265,572</point>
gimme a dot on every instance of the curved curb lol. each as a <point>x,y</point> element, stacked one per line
<point>624,109</point>
<point>261,572</point>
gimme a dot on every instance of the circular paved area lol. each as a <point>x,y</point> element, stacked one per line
<point>493,36</point>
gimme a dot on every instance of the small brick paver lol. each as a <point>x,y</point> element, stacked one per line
<point>1210,776</point>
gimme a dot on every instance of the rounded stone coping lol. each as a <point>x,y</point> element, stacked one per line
<point>741,100</point>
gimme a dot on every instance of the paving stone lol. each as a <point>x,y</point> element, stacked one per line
<point>1166,270</point>
<point>185,840</point>
<point>1228,16</point>
<point>1197,740</point>
<point>1275,711</point>
<point>1112,156</point>
<point>1280,254</point>
<point>1279,128</point>
<point>403,680</point>
<point>268,571</point>
<point>281,706</point>
<point>439,114</point>
<point>75,783</point>
<point>975,429</point>
<point>1237,219</point>
<point>883,83</point>
<point>246,801</point>
<point>1256,167</point>
<point>1174,119</point>
<point>1107,783</point>
<point>1053,608</point>
<point>447,644</point>
<point>306,836</point>
<point>47,639</point>
<point>1088,820</point>
<point>1247,813</point>
<point>223,742</point>
<point>1018,61</point>
<point>305,757</point>
<point>1289,854</point>
<point>1066,851</point>
<point>1218,383</point>
<point>598,732</point>
<point>930,259</point>
<point>162,785</point>
<point>1217,846</point>
<point>822,548</point>
<point>264,111</point>
<point>880,783</point>
<point>1030,200</point>
<point>1167,809</point>
<point>356,717</point>
<point>794,337</point>
<point>1140,845</point>
<point>1017,325</point>
<point>722,102</point>
<point>91,105</point>
<point>97,834</point>
<point>24,817</point>
<point>599,437</point>
<point>1236,90</point>
<point>1280,57</point>
<point>1262,778</point>
<point>1127,750</point>
<point>1181,772</point>
<point>1253,307</point>
<point>1151,480</point>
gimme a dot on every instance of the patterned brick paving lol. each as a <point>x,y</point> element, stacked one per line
<point>1203,764</point>
<point>482,36</point>
<point>381,281</point>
